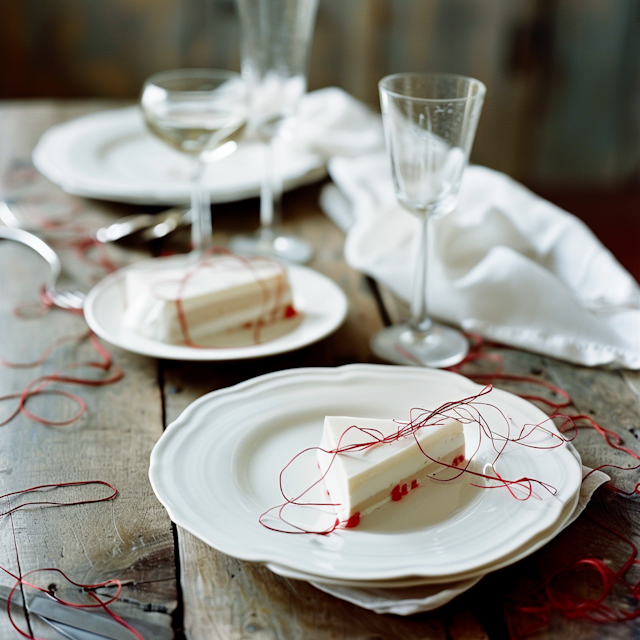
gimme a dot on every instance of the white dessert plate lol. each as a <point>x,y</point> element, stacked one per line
<point>320,300</point>
<point>111,155</point>
<point>216,469</point>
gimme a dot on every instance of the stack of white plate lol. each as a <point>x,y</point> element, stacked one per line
<point>216,470</point>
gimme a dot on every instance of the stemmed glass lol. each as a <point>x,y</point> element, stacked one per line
<point>202,113</point>
<point>429,121</point>
<point>276,37</point>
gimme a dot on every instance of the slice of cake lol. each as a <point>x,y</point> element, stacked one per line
<point>361,477</point>
<point>177,302</point>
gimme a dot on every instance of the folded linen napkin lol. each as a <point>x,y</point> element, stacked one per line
<point>409,600</point>
<point>506,263</point>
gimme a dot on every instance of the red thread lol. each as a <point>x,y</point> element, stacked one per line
<point>63,375</point>
<point>21,580</point>
<point>272,307</point>
<point>550,595</point>
<point>84,246</point>
<point>466,411</point>
<point>559,400</point>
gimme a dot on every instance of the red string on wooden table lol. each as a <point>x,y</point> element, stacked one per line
<point>21,580</point>
<point>550,596</point>
<point>85,246</point>
<point>568,424</point>
<point>39,385</point>
<point>83,243</point>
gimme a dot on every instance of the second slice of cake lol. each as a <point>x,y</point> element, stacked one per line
<point>181,303</point>
<point>364,478</point>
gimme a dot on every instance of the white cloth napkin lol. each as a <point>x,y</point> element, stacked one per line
<point>506,263</point>
<point>409,600</point>
<point>333,123</point>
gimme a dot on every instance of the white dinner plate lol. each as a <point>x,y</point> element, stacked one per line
<point>216,469</point>
<point>469,577</point>
<point>111,155</point>
<point>322,303</point>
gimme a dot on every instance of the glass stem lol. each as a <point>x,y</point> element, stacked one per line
<point>201,228</point>
<point>271,192</point>
<point>420,320</point>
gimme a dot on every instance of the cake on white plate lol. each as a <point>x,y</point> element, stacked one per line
<point>220,300</point>
<point>360,478</point>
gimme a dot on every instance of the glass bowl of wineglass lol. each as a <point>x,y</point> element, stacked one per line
<point>429,122</point>
<point>201,113</point>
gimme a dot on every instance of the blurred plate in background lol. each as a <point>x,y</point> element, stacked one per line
<point>110,155</point>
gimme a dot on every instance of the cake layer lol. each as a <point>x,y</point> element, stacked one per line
<point>365,473</point>
<point>188,303</point>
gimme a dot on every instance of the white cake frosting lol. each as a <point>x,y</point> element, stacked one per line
<point>364,478</point>
<point>181,303</point>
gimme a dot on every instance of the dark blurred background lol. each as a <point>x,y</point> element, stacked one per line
<point>562,112</point>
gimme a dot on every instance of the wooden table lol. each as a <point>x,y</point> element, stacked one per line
<point>170,578</point>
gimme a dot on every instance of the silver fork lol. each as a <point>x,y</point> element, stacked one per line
<point>62,299</point>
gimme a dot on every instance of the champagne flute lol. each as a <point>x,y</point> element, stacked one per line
<point>201,113</point>
<point>276,37</point>
<point>429,121</point>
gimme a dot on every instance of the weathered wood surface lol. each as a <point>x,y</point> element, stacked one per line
<point>206,594</point>
<point>130,538</point>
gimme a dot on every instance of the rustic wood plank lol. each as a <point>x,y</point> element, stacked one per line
<point>130,538</point>
<point>237,599</point>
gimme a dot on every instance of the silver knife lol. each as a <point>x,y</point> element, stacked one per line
<point>85,624</point>
<point>139,221</point>
<point>72,633</point>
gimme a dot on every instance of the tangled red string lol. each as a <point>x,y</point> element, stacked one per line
<point>85,246</point>
<point>551,595</point>
<point>113,373</point>
<point>272,307</point>
<point>560,400</point>
<point>467,411</point>
<point>21,580</point>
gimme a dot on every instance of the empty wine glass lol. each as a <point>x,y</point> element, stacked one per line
<point>276,37</point>
<point>429,121</point>
<point>202,113</point>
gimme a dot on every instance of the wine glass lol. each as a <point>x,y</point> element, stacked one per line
<point>429,121</point>
<point>202,113</point>
<point>276,37</point>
